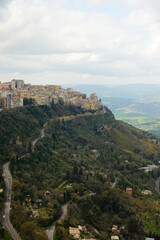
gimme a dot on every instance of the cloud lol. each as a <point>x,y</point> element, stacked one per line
<point>3,3</point>
<point>41,30</point>
<point>100,2</point>
<point>43,38</point>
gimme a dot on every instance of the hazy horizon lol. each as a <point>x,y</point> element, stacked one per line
<point>87,84</point>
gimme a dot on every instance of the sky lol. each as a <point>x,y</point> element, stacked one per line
<point>103,42</point>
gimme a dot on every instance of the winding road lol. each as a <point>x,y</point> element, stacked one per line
<point>8,192</point>
<point>157,185</point>
<point>33,143</point>
<point>6,209</point>
<point>51,229</point>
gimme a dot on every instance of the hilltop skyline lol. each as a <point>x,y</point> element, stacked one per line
<point>71,42</point>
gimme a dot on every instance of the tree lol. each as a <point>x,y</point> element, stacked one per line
<point>75,170</point>
<point>61,233</point>
<point>68,174</point>
<point>28,230</point>
<point>41,236</point>
<point>29,101</point>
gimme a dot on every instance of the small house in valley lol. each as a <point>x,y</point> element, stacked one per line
<point>74,232</point>
<point>114,238</point>
<point>149,239</point>
<point>129,191</point>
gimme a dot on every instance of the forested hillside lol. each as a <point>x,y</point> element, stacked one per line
<point>88,161</point>
<point>19,126</point>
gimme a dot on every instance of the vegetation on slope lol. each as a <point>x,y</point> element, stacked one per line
<point>18,127</point>
<point>65,156</point>
<point>21,125</point>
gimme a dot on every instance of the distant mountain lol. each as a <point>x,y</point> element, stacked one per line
<point>133,91</point>
<point>136,91</point>
<point>132,107</point>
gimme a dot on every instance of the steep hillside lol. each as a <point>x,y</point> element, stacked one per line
<point>95,154</point>
<point>21,125</point>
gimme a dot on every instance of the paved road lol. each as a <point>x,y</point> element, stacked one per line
<point>33,143</point>
<point>50,232</point>
<point>6,209</point>
<point>51,229</point>
<point>8,189</point>
<point>64,212</point>
<point>115,182</point>
<point>88,195</point>
<point>157,185</point>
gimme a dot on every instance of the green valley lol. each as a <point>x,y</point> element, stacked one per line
<point>148,123</point>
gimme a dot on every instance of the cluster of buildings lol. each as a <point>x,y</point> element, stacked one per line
<point>116,232</point>
<point>76,232</point>
<point>115,235</point>
<point>13,93</point>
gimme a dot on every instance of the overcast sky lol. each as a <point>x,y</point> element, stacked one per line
<point>80,41</point>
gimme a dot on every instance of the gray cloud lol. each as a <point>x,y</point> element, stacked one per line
<point>4,3</point>
<point>49,37</point>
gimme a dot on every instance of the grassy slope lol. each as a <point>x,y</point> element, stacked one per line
<point>130,138</point>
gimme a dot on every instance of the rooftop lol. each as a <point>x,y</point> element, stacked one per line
<point>114,238</point>
<point>73,230</point>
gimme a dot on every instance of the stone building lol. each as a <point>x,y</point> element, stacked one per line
<point>47,95</point>
<point>17,84</point>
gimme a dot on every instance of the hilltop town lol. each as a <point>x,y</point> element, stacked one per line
<point>14,93</point>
